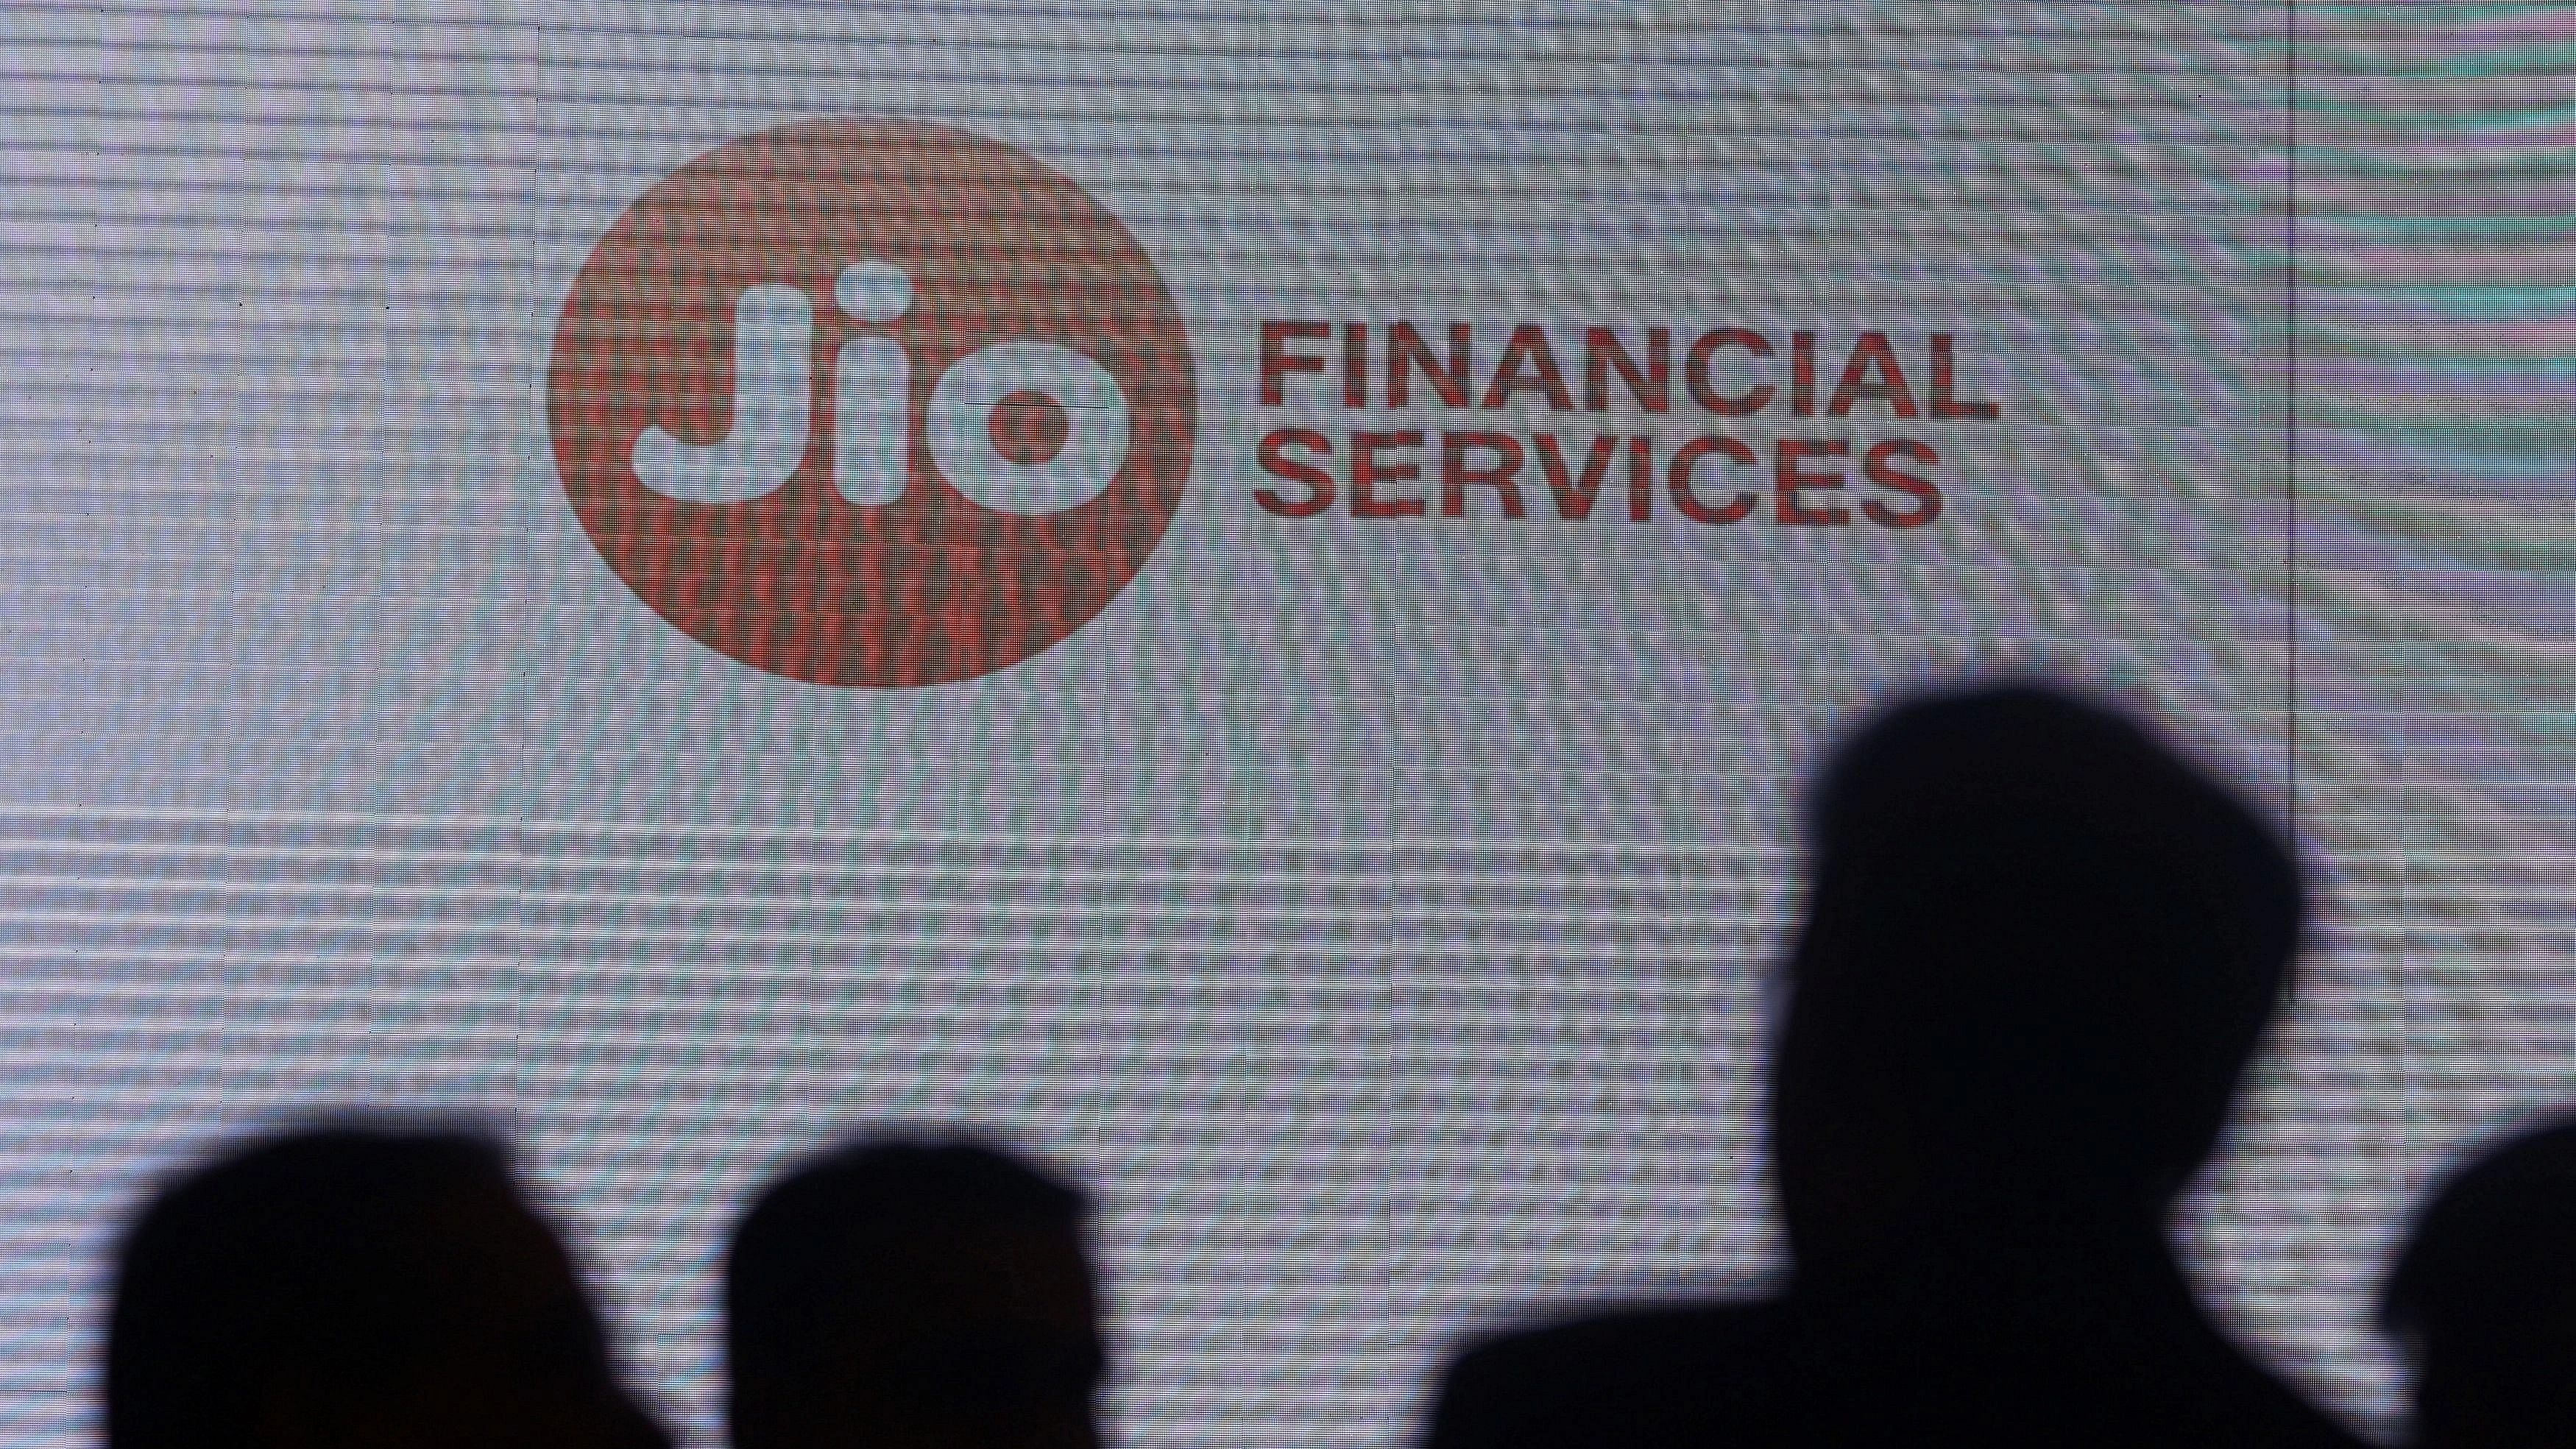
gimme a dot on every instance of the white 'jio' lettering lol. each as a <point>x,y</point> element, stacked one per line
<point>871,406</point>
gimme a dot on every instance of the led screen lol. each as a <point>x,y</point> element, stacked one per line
<point>1236,595</point>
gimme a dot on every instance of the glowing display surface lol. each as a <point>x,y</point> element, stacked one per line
<point>1371,893</point>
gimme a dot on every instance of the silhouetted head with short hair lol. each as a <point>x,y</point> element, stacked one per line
<point>913,1295</point>
<point>2485,1293</point>
<point>2039,951</point>
<point>356,1288</point>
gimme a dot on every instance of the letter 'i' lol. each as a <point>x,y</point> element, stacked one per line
<point>872,389</point>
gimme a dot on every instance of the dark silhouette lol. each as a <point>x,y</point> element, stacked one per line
<point>909,1295</point>
<point>356,1288</point>
<point>2485,1294</point>
<point>2037,953</point>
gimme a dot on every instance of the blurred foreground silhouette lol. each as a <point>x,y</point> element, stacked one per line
<point>356,1288</point>
<point>2485,1293</point>
<point>2038,952</point>
<point>912,1295</point>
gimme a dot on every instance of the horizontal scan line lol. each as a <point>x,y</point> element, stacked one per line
<point>625,830</point>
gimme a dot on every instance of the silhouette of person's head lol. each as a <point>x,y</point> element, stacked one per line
<point>2038,953</point>
<point>2486,1294</point>
<point>356,1288</point>
<point>913,1295</point>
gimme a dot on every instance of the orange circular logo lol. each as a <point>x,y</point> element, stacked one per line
<point>872,403</point>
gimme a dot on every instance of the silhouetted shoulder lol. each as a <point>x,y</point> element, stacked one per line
<point>1638,1376</point>
<point>1763,1376</point>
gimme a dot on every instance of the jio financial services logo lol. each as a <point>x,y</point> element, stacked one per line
<point>872,403</point>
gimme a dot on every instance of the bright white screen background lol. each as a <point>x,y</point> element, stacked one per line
<point>1376,917</point>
